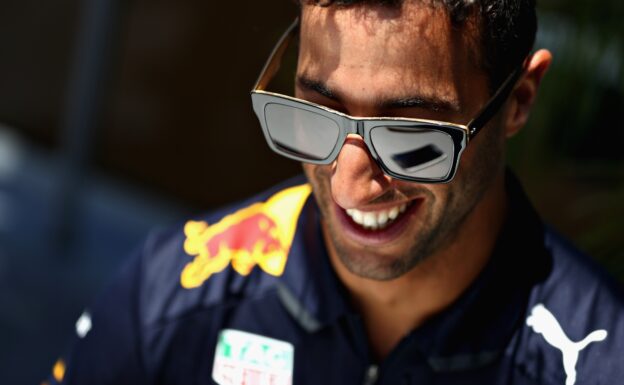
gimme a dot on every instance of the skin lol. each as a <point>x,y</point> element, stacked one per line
<point>360,60</point>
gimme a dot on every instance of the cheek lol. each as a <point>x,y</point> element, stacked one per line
<point>439,196</point>
<point>320,179</point>
<point>481,162</point>
<point>485,152</point>
<point>317,175</point>
<point>320,187</point>
<point>309,171</point>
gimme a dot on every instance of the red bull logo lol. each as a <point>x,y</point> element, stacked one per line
<point>260,234</point>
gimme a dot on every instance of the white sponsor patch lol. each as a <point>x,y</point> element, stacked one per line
<point>251,359</point>
<point>544,322</point>
<point>83,325</point>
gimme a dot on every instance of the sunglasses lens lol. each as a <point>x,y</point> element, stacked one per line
<point>301,133</point>
<point>414,152</point>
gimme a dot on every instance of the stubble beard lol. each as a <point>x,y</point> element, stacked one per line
<point>437,229</point>
<point>440,224</point>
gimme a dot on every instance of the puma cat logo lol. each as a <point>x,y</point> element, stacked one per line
<point>544,322</point>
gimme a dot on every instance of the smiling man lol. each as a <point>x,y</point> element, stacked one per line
<point>409,256</point>
<point>393,243</point>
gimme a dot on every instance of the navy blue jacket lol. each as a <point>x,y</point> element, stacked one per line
<point>539,313</point>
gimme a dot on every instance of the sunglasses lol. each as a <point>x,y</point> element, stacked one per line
<point>415,150</point>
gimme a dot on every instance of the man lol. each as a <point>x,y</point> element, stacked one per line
<point>418,261</point>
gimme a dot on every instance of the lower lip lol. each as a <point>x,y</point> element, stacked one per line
<point>380,236</point>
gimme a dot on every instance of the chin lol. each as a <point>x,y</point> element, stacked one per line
<point>374,265</point>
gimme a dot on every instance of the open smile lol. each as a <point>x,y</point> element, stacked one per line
<point>377,227</point>
<point>373,220</point>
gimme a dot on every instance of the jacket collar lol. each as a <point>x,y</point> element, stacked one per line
<point>309,288</point>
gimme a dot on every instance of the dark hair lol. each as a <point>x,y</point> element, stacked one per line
<point>507,28</point>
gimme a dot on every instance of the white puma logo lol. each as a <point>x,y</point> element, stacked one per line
<point>544,322</point>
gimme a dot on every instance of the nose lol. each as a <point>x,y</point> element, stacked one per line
<point>356,178</point>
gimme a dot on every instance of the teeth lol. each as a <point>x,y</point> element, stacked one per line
<point>358,216</point>
<point>382,218</point>
<point>376,219</point>
<point>370,219</point>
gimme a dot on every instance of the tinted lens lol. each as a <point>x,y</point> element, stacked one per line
<point>301,133</point>
<point>414,152</point>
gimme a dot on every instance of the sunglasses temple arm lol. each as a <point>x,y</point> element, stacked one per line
<point>495,103</point>
<point>273,63</point>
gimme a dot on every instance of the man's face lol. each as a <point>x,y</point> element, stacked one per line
<point>405,62</point>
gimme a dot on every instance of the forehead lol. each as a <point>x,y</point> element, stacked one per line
<point>385,50</point>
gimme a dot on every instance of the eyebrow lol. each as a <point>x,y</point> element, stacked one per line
<point>431,103</point>
<point>427,103</point>
<point>318,87</point>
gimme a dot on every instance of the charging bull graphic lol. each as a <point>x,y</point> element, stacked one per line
<point>260,234</point>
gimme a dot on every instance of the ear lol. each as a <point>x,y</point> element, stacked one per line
<point>524,94</point>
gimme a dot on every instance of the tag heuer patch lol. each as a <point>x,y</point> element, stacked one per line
<point>243,358</point>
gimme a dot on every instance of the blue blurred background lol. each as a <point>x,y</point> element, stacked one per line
<point>118,117</point>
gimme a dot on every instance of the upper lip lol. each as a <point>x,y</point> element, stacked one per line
<point>381,207</point>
